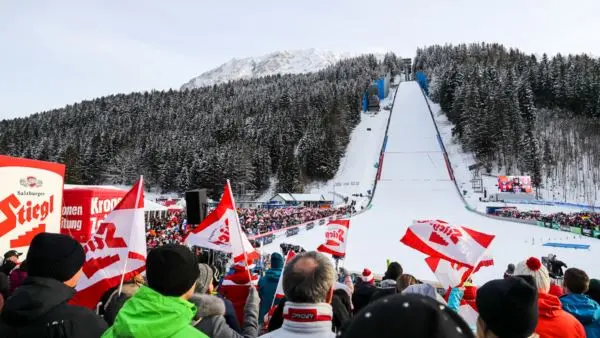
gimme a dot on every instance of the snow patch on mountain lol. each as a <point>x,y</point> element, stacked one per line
<point>281,62</point>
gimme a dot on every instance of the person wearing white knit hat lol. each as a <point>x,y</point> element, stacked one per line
<point>553,321</point>
<point>533,267</point>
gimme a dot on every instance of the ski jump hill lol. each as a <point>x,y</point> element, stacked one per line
<point>416,183</point>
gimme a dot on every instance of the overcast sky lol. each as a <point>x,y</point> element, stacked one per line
<point>54,53</point>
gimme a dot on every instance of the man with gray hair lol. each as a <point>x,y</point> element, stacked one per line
<point>308,281</point>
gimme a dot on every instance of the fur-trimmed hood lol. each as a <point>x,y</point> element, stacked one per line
<point>208,305</point>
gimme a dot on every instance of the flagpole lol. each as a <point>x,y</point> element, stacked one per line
<point>137,201</point>
<point>237,221</point>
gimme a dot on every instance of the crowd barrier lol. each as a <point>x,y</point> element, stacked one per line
<point>554,203</point>
<point>308,225</point>
<point>568,228</point>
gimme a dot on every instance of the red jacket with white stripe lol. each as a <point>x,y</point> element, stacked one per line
<point>235,288</point>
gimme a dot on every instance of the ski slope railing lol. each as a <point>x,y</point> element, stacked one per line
<point>320,221</point>
<point>382,152</point>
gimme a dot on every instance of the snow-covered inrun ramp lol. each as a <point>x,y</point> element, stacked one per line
<point>415,184</point>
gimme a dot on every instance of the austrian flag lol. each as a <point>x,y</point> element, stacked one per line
<point>455,244</point>
<point>116,252</point>
<point>335,238</point>
<point>221,230</point>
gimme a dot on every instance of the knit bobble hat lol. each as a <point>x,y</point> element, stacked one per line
<point>534,267</point>
<point>54,256</point>
<point>367,276</point>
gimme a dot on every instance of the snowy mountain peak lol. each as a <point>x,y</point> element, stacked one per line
<point>280,62</point>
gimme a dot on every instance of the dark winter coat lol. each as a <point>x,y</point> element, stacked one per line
<point>342,309</point>
<point>362,294</point>
<point>39,309</point>
<point>210,316</point>
<point>387,287</point>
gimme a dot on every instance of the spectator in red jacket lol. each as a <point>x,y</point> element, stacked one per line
<point>553,320</point>
<point>235,288</point>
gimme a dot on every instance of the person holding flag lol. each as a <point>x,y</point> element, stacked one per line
<point>39,307</point>
<point>267,285</point>
<point>221,230</point>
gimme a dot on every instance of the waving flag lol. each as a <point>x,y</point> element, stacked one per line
<point>221,230</point>
<point>454,274</point>
<point>278,292</point>
<point>335,238</point>
<point>116,252</point>
<point>455,244</point>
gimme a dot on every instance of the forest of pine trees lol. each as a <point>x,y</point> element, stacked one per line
<point>292,127</point>
<point>522,114</point>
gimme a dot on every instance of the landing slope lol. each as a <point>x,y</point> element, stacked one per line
<point>415,185</point>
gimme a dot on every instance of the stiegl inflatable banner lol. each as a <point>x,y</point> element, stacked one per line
<point>30,200</point>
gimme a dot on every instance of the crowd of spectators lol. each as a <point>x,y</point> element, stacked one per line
<point>173,228</point>
<point>585,220</point>
<point>181,296</point>
<point>258,221</point>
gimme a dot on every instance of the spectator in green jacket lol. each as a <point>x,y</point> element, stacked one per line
<point>162,308</point>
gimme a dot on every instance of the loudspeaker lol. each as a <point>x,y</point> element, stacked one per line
<point>196,204</point>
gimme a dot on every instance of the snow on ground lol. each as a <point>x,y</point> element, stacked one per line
<point>415,185</point>
<point>358,167</point>
<point>461,160</point>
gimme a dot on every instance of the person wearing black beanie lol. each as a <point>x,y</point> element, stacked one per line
<point>507,308</point>
<point>410,315</point>
<point>39,307</point>
<point>162,309</point>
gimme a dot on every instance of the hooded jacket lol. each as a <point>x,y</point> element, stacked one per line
<point>554,322</point>
<point>586,310</point>
<point>39,308</point>
<point>267,285</point>
<point>363,291</point>
<point>149,314</point>
<point>210,316</point>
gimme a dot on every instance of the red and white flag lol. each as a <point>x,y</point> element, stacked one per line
<point>455,244</point>
<point>335,238</point>
<point>278,292</point>
<point>116,252</point>
<point>453,274</point>
<point>221,230</point>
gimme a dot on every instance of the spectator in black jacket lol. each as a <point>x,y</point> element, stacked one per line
<point>388,283</point>
<point>341,304</point>
<point>39,307</point>
<point>363,290</point>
